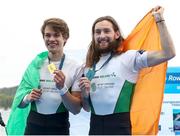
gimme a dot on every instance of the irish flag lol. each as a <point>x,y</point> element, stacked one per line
<point>148,94</point>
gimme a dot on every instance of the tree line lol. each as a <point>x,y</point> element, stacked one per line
<point>7,96</point>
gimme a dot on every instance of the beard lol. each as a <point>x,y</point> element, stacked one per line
<point>112,46</point>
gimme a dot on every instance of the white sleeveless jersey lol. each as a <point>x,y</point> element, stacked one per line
<point>51,101</point>
<point>113,85</point>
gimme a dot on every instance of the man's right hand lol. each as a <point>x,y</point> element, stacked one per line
<point>34,95</point>
<point>85,86</point>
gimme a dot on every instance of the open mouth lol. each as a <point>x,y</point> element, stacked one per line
<point>103,43</point>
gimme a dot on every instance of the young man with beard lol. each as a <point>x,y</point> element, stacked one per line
<point>43,99</point>
<point>110,77</point>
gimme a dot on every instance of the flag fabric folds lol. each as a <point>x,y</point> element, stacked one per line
<point>149,90</point>
<point>148,94</point>
<point>17,120</point>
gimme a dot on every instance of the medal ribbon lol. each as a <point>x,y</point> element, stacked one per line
<point>91,72</point>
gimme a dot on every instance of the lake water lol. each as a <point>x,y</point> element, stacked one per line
<point>79,123</point>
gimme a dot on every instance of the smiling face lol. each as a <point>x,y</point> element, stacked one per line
<point>105,36</point>
<point>54,41</point>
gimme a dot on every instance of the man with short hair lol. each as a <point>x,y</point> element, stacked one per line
<point>42,101</point>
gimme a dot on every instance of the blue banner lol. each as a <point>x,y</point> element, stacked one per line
<point>172,80</point>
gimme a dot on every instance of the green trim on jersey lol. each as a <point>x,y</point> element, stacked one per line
<point>61,108</point>
<point>124,101</point>
<point>91,106</point>
<point>33,106</point>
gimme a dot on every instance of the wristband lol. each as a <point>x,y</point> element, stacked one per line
<point>160,21</point>
<point>63,90</point>
<point>25,100</point>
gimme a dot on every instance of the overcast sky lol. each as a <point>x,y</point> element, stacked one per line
<point>21,20</point>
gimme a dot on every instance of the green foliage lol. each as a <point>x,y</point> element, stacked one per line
<point>7,96</point>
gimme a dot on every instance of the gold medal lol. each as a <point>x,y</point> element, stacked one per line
<point>51,68</point>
